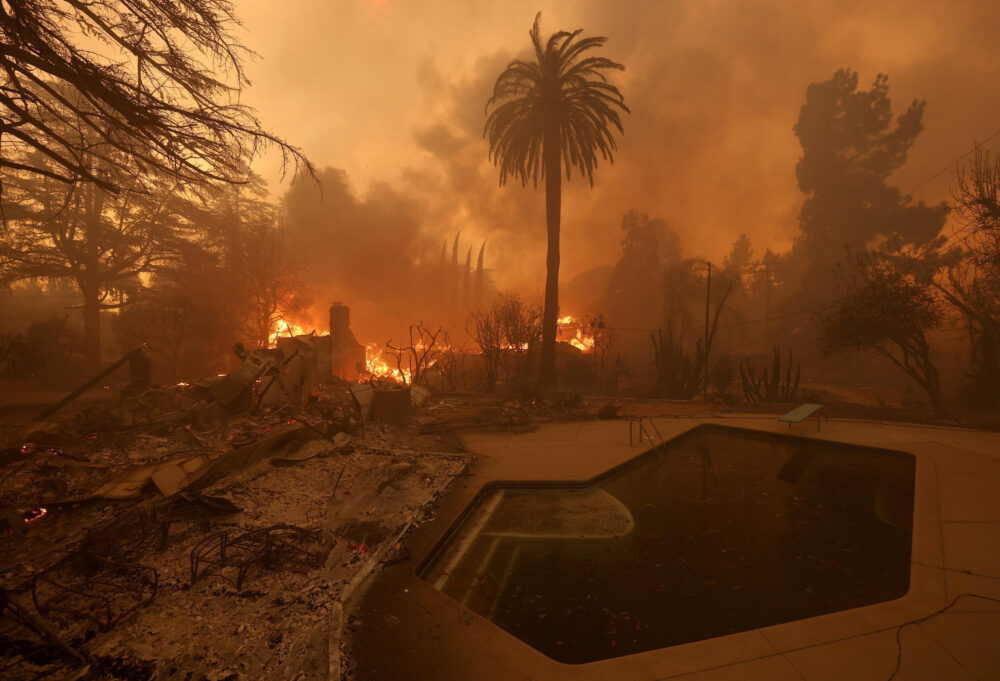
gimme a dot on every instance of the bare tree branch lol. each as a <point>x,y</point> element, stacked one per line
<point>159,80</point>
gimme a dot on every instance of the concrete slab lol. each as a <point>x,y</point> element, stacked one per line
<point>972,546</point>
<point>701,655</point>
<point>972,638</point>
<point>873,658</point>
<point>775,668</point>
<point>958,583</point>
<point>805,633</point>
<point>970,497</point>
<point>952,459</point>
<point>927,548</point>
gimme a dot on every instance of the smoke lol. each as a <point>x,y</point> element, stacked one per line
<point>714,87</point>
<point>357,250</point>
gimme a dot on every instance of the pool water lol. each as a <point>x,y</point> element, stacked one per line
<point>718,531</point>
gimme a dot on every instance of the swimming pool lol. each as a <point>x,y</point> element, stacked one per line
<point>717,531</point>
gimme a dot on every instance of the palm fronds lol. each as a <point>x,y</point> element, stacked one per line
<point>562,98</point>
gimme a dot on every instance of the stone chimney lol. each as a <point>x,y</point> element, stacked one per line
<point>340,323</point>
<point>347,355</point>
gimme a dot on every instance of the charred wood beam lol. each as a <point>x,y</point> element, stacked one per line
<point>87,385</point>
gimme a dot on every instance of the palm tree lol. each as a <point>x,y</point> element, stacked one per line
<point>558,108</point>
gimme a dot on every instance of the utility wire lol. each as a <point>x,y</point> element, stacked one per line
<point>781,330</point>
<point>953,163</point>
<point>701,327</point>
<point>817,308</point>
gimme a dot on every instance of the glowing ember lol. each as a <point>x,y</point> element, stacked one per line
<point>35,514</point>
<point>378,367</point>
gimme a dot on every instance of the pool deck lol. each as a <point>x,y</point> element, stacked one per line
<point>403,628</point>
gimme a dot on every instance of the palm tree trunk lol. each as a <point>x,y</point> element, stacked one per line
<point>553,205</point>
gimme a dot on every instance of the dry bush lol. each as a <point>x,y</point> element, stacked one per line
<point>422,353</point>
<point>505,333</point>
<point>521,327</point>
<point>452,366</point>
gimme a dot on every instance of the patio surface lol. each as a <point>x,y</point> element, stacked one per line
<point>402,628</point>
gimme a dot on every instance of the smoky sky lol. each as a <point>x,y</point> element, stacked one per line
<point>393,93</point>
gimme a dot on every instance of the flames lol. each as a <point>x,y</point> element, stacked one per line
<point>569,329</point>
<point>376,363</point>
<point>378,367</point>
<point>282,327</point>
<point>582,340</point>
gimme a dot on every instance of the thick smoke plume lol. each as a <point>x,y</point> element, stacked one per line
<point>715,89</point>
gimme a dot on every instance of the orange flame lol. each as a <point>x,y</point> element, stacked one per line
<point>582,341</point>
<point>283,327</point>
<point>378,367</point>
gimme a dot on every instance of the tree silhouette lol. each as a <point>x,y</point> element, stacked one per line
<point>850,147</point>
<point>158,81</point>
<point>635,290</point>
<point>80,232</point>
<point>555,109</point>
<point>966,271</point>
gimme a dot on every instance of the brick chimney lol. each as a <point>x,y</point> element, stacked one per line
<point>347,355</point>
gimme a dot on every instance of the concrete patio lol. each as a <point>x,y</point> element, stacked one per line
<point>402,628</point>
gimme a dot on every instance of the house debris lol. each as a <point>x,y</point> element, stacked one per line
<point>213,529</point>
<point>202,528</point>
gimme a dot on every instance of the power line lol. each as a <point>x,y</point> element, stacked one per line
<point>965,233</point>
<point>781,330</point>
<point>953,163</point>
<point>757,340</point>
<point>735,323</point>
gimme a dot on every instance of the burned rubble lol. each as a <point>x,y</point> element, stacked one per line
<point>209,529</point>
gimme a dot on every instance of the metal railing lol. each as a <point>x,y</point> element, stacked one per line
<point>644,426</point>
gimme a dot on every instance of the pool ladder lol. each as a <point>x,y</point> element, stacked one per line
<point>644,426</point>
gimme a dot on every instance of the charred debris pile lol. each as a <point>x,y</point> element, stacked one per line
<point>211,528</point>
<point>214,528</point>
